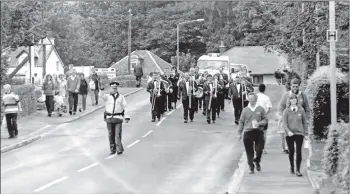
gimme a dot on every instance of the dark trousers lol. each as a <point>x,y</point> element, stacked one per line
<point>200,102</point>
<point>115,137</point>
<point>237,105</point>
<point>298,140</point>
<point>169,101</point>
<point>221,101</point>
<point>187,109</point>
<point>212,109</point>
<point>138,81</point>
<point>49,102</point>
<point>96,96</point>
<point>249,139</point>
<point>11,121</point>
<point>204,105</point>
<point>226,93</point>
<point>73,101</point>
<point>158,107</point>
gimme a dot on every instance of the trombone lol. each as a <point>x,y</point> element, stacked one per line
<point>155,95</point>
<point>191,92</point>
<point>213,91</point>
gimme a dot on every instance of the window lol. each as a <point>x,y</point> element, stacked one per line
<point>212,64</point>
<point>133,64</point>
<point>258,79</point>
<point>57,66</point>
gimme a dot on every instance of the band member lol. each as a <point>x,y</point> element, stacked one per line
<point>200,82</point>
<point>115,113</point>
<point>187,88</point>
<point>156,89</point>
<point>221,93</point>
<point>205,80</point>
<point>247,87</point>
<point>164,94</point>
<point>210,93</point>
<point>172,96</point>
<point>225,90</point>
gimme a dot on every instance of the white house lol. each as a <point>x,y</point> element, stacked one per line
<point>19,60</point>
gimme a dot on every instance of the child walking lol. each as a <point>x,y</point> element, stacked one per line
<point>12,106</point>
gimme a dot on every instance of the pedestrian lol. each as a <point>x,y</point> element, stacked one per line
<point>49,91</point>
<point>174,78</point>
<point>251,123</point>
<point>224,77</point>
<point>138,72</point>
<point>156,88</point>
<point>62,87</point>
<point>73,85</point>
<point>265,102</point>
<point>95,87</point>
<point>235,93</point>
<point>115,114</point>
<point>12,108</point>
<point>83,91</point>
<point>290,74</point>
<point>295,125</point>
<point>210,92</point>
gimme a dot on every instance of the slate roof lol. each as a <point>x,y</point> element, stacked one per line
<point>257,60</point>
<point>148,57</point>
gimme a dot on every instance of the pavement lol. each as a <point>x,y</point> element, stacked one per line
<point>168,156</point>
<point>31,127</point>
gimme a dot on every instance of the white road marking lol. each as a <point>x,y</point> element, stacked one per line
<point>57,128</point>
<point>10,169</point>
<point>85,168</point>
<point>42,128</point>
<point>50,184</point>
<point>135,142</point>
<point>179,106</point>
<point>169,113</point>
<point>148,133</point>
<point>161,120</point>
<point>237,176</point>
<point>111,156</point>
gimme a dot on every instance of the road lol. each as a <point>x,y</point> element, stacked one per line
<point>169,156</point>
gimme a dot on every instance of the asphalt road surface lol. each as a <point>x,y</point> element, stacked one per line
<point>169,156</point>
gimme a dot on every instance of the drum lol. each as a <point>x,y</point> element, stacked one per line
<point>199,93</point>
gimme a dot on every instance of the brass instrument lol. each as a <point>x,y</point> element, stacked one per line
<point>215,88</point>
<point>155,95</point>
<point>189,93</point>
<point>210,96</point>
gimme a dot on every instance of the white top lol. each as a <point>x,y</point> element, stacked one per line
<point>120,105</point>
<point>149,79</point>
<point>264,101</point>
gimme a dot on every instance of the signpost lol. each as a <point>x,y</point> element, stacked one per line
<point>111,73</point>
<point>332,38</point>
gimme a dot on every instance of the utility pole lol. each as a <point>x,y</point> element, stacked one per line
<point>332,36</point>
<point>30,64</point>
<point>318,49</point>
<point>129,43</point>
<point>178,47</point>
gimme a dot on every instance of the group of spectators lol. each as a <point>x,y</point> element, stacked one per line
<point>71,88</point>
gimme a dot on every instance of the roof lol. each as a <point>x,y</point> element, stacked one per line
<point>256,59</point>
<point>148,57</point>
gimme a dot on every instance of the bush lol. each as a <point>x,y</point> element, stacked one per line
<point>104,79</point>
<point>318,92</point>
<point>27,98</point>
<point>336,152</point>
<point>16,81</point>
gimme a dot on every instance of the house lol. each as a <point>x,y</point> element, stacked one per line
<point>148,60</point>
<point>19,61</point>
<point>261,63</point>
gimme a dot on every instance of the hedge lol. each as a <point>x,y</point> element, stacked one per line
<point>318,92</point>
<point>104,79</point>
<point>27,99</point>
<point>336,152</point>
<point>16,81</point>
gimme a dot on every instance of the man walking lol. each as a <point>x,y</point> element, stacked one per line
<point>115,113</point>
<point>252,122</point>
<point>138,72</point>
<point>73,85</point>
<point>290,74</point>
<point>95,86</point>
<point>265,102</point>
<point>187,88</point>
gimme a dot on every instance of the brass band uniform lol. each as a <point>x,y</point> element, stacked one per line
<point>115,113</point>
<point>156,89</point>
<point>173,90</point>
<point>220,94</point>
<point>210,93</point>
<point>187,88</point>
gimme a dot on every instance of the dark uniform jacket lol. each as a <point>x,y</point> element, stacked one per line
<point>150,88</point>
<point>233,91</point>
<point>183,89</point>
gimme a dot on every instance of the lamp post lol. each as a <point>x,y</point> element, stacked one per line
<point>178,40</point>
<point>332,61</point>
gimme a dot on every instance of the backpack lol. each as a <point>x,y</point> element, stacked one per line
<point>92,84</point>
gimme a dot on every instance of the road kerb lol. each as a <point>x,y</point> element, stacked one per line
<point>314,183</point>
<point>37,137</point>
<point>99,107</point>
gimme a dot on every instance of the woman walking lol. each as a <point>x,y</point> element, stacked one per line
<point>83,91</point>
<point>49,91</point>
<point>295,125</point>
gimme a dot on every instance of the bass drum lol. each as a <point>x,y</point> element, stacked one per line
<point>199,93</point>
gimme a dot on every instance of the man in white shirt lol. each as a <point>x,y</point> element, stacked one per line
<point>115,114</point>
<point>265,102</point>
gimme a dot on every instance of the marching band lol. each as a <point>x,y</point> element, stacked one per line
<point>197,91</point>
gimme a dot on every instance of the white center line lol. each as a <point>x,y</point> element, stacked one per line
<point>171,112</point>
<point>137,141</point>
<point>148,133</point>
<point>50,184</point>
<point>111,156</point>
<point>179,106</point>
<point>161,120</point>
<point>85,168</point>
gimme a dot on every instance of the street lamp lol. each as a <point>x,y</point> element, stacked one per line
<point>178,41</point>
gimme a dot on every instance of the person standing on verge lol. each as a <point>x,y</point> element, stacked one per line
<point>252,122</point>
<point>83,91</point>
<point>49,91</point>
<point>12,106</point>
<point>97,81</point>
<point>73,85</point>
<point>138,72</point>
<point>265,102</point>
<point>115,114</point>
<point>295,124</point>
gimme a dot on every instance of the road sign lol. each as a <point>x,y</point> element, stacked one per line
<point>109,71</point>
<point>332,35</point>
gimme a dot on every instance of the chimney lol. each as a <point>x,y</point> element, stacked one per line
<point>222,48</point>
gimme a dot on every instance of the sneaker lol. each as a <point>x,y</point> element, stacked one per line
<point>185,121</point>
<point>74,113</point>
